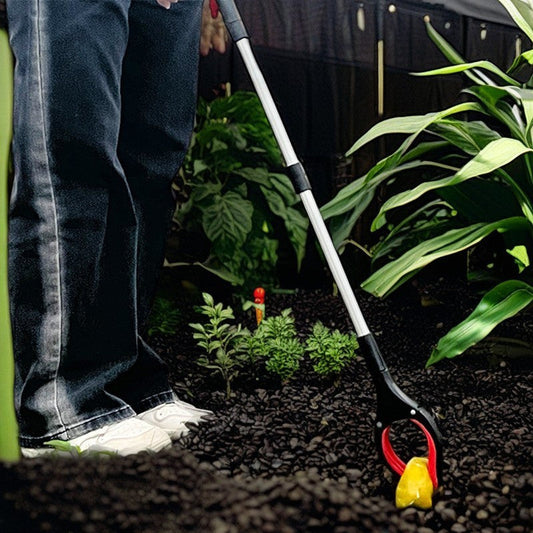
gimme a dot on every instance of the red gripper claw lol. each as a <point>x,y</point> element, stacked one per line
<point>398,465</point>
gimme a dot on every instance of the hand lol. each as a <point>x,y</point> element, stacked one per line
<point>166,3</point>
<point>214,35</point>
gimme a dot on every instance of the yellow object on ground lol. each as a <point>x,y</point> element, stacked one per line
<point>415,486</point>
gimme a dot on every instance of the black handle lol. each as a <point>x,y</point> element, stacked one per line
<point>392,403</point>
<point>232,19</point>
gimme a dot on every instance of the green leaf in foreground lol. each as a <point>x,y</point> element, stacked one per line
<point>9,447</point>
<point>502,302</point>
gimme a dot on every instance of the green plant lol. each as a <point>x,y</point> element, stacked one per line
<point>283,357</point>
<point>9,448</point>
<point>473,164</point>
<point>275,341</point>
<point>227,348</point>
<point>236,201</point>
<point>164,318</point>
<point>330,350</point>
<point>223,342</point>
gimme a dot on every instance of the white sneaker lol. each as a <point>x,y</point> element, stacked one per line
<point>199,413</point>
<point>122,438</point>
<point>172,417</point>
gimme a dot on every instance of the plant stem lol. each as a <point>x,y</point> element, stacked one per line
<point>9,448</point>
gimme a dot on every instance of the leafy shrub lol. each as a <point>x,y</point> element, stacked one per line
<point>475,179</point>
<point>236,200</point>
<point>283,357</point>
<point>275,341</point>
<point>330,350</point>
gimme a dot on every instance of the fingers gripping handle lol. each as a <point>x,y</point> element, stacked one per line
<point>232,19</point>
<point>214,8</point>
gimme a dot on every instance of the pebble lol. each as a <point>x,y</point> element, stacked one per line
<point>482,514</point>
<point>458,528</point>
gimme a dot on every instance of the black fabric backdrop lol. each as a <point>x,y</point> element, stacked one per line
<point>319,59</point>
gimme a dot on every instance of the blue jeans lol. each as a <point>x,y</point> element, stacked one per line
<point>105,95</point>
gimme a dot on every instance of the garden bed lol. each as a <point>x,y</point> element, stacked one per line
<point>300,457</point>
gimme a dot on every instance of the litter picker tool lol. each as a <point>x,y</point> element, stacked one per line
<point>392,403</point>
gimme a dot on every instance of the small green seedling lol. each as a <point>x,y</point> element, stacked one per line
<point>222,342</point>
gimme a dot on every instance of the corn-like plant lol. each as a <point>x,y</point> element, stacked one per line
<point>474,168</point>
<point>9,448</point>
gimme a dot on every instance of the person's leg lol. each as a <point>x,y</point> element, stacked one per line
<point>72,223</point>
<point>158,108</point>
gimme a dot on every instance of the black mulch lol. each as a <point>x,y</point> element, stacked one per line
<point>300,457</point>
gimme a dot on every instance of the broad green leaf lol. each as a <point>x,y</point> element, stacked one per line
<point>449,51</point>
<point>502,302</point>
<point>525,58</point>
<point>494,156</point>
<point>256,175</point>
<point>415,124</point>
<point>521,13</point>
<point>341,226</point>
<point>349,197</point>
<point>228,219</point>
<point>282,184</point>
<point>471,137</point>
<point>275,202</point>
<point>482,64</point>
<point>392,275</point>
<point>493,100</point>
<point>199,166</point>
<point>481,200</point>
<point>297,226</point>
<point>430,218</point>
<point>524,97</point>
<point>219,271</point>
<point>521,257</point>
<point>204,190</point>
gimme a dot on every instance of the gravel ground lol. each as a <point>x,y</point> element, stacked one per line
<point>300,457</point>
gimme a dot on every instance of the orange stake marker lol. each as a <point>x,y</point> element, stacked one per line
<point>259,298</point>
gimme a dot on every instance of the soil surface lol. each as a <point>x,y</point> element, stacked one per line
<point>300,456</point>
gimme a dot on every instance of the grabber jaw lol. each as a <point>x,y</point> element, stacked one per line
<point>394,405</point>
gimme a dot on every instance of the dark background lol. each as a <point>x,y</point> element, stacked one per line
<point>319,58</point>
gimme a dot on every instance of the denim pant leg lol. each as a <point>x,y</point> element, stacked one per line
<point>159,93</point>
<point>73,224</point>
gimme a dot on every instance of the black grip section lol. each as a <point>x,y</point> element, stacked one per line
<point>370,350</point>
<point>299,178</point>
<point>380,20</point>
<point>232,19</point>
